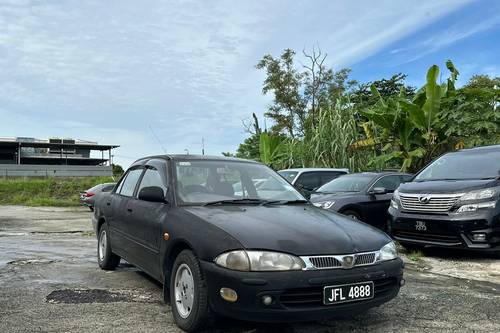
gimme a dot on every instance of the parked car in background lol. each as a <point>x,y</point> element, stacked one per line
<point>221,244</point>
<point>87,198</point>
<point>361,196</point>
<point>454,202</point>
<point>308,179</point>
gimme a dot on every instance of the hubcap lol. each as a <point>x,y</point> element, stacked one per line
<point>184,290</point>
<point>102,245</point>
<point>354,217</point>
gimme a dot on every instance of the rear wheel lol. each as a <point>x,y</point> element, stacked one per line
<point>105,257</point>
<point>188,293</point>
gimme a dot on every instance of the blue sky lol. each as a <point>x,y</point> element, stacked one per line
<point>111,70</point>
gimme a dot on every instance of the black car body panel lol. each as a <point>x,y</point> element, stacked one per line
<point>138,232</point>
<point>450,228</point>
<point>369,206</point>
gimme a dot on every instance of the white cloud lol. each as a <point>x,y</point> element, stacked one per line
<point>184,67</point>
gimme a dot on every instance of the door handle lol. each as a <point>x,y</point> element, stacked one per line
<point>129,210</point>
<point>108,203</point>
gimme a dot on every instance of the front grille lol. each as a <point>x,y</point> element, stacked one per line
<point>313,296</point>
<point>447,239</point>
<point>338,261</point>
<point>437,203</point>
<point>325,262</point>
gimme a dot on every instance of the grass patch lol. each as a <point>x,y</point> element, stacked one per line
<point>60,192</point>
<point>415,256</point>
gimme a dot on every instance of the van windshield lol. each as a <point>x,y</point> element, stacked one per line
<point>462,166</point>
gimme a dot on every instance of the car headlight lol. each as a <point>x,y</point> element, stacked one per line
<point>395,200</point>
<point>241,260</point>
<point>388,252</point>
<point>475,206</point>
<point>486,193</point>
<point>324,204</point>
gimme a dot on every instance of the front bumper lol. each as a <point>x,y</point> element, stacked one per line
<point>451,230</point>
<point>297,295</point>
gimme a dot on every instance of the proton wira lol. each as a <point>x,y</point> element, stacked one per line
<point>220,245</point>
<point>454,203</point>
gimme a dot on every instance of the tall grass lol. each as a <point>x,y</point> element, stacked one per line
<point>62,192</point>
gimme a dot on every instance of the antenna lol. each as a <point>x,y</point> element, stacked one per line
<point>157,139</point>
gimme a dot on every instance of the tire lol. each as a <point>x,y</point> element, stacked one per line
<point>352,214</point>
<point>409,247</point>
<point>106,259</point>
<point>188,293</point>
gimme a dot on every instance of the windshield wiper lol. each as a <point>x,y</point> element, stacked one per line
<point>236,202</point>
<point>285,202</point>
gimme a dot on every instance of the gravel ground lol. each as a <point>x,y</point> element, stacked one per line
<point>50,282</point>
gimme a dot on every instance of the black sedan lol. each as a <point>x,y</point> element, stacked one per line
<point>221,245</point>
<point>361,196</point>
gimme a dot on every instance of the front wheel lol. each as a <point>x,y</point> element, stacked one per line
<point>105,257</point>
<point>188,293</point>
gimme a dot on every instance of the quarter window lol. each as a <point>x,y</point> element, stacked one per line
<point>128,187</point>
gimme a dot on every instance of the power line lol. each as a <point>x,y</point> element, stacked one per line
<point>157,139</point>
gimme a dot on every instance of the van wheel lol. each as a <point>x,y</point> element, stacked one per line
<point>188,293</point>
<point>410,247</point>
<point>105,257</point>
<point>352,214</point>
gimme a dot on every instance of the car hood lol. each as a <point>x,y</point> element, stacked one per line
<point>295,229</point>
<point>446,186</point>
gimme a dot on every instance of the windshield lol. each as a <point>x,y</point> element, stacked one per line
<point>347,183</point>
<point>201,182</point>
<point>288,175</point>
<point>462,166</point>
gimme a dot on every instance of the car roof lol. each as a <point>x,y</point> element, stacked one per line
<point>315,169</point>
<point>189,157</point>
<point>379,173</point>
<point>480,149</point>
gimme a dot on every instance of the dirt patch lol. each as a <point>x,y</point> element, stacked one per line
<point>79,296</point>
<point>22,262</point>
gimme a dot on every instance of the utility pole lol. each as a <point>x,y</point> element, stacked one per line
<point>202,145</point>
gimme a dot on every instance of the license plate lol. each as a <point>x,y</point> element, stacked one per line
<point>420,226</point>
<point>347,293</point>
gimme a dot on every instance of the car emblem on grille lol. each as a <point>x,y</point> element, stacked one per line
<point>348,261</point>
<point>424,200</point>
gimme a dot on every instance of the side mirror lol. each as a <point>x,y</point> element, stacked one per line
<point>378,190</point>
<point>152,194</point>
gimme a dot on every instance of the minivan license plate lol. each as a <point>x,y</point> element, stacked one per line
<point>347,293</point>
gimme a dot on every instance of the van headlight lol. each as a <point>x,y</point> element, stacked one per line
<point>486,193</point>
<point>388,252</point>
<point>324,204</point>
<point>242,260</point>
<point>467,203</point>
<point>395,200</point>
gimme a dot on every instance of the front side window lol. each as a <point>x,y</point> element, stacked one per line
<point>463,166</point>
<point>128,185</point>
<point>390,183</point>
<point>200,182</point>
<point>152,177</point>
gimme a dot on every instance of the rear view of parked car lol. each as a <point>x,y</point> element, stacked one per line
<point>87,198</point>
<point>453,203</point>
<point>361,196</point>
<point>308,179</point>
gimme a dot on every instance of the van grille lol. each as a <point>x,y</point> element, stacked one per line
<point>428,203</point>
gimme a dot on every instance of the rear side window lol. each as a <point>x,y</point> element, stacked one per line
<point>152,177</point>
<point>327,176</point>
<point>390,183</point>
<point>128,185</point>
<point>309,180</point>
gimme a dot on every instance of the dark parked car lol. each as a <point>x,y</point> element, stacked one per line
<point>362,196</point>
<point>87,198</point>
<point>219,245</point>
<point>454,202</point>
<point>306,180</point>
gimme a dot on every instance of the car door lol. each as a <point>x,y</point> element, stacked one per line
<point>376,208</point>
<point>121,225</point>
<point>147,218</point>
